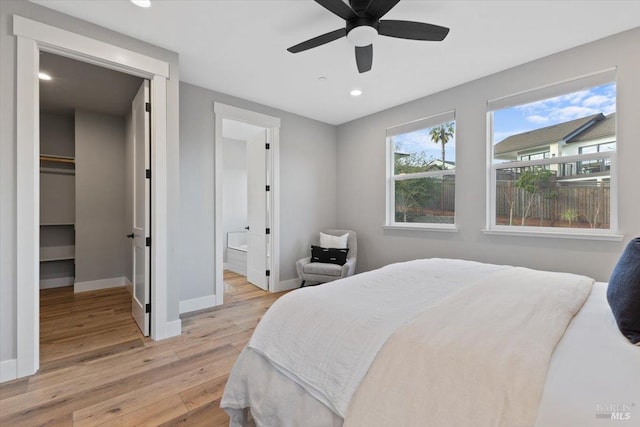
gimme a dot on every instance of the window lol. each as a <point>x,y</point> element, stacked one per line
<point>553,156</point>
<point>421,173</point>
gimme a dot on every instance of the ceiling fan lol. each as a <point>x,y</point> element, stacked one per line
<point>363,24</point>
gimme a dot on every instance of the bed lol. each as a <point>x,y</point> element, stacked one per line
<point>438,342</point>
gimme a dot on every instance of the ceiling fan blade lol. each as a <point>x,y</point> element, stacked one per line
<point>364,58</point>
<point>318,41</point>
<point>412,30</point>
<point>379,8</point>
<point>338,7</point>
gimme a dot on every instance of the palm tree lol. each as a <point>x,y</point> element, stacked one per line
<point>441,134</point>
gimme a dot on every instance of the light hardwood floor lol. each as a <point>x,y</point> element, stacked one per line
<point>97,369</point>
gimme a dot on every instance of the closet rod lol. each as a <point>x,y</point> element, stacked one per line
<point>57,159</point>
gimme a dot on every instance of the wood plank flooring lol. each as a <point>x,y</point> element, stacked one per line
<point>97,369</point>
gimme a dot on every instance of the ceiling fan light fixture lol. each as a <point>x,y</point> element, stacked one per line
<point>142,3</point>
<point>362,35</point>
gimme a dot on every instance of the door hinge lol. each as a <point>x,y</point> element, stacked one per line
<point>267,146</point>
<point>148,241</point>
<point>147,107</point>
<point>268,231</point>
<point>268,188</point>
<point>148,173</point>
<point>147,308</point>
<point>268,273</point>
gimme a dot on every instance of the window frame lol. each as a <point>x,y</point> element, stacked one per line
<point>532,95</point>
<point>392,178</point>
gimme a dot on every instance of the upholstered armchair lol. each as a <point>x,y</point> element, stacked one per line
<point>324,272</point>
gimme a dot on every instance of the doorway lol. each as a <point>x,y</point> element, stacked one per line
<point>32,37</point>
<point>247,184</point>
<point>93,155</point>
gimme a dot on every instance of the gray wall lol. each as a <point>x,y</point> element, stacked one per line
<point>234,198</point>
<point>100,197</point>
<point>361,169</point>
<point>8,155</point>
<point>307,185</point>
<point>56,134</point>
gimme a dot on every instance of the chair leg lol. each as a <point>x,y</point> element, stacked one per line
<point>302,284</point>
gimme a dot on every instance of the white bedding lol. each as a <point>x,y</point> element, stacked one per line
<point>592,365</point>
<point>314,348</point>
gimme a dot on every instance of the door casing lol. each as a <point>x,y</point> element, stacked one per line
<point>272,124</point>
<point>33,37</point>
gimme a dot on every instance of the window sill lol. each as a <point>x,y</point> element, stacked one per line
<point>450,228</point>
<point>555,234</point>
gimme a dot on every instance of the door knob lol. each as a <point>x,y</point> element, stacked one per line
<point>131,236</point>
<point>247,227</point>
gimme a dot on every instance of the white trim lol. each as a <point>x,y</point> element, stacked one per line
<point>195,304</point>
<point>451,228</point>
<point>418,175</point>
<point>286,285</point>
<point>159,229</point>
<point>423,123</point>
<point>8,370</point>
<point>554,89</point>
<point>246,116</point>
<point>32,37</point>
<point>87,49</point>
<point>272,124</point>
<point>173,329</point>
<point>58,282</point>
<point>128,285</point>
<point>556,234</point>
<point>27,208</point>
<point>94,285</point>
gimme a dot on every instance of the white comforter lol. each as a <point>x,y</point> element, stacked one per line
<point>313,347</point>
<point>592,365</point>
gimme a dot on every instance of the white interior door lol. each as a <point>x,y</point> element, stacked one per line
<point>141,307</point>
<point>257,264</point>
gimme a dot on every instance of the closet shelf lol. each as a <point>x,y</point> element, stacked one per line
<point>57,159</point>
<point>56,224</point>
<point>57,253</point>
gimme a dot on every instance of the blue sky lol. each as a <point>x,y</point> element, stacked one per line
<point>539,114</point>
<point>420,141</point>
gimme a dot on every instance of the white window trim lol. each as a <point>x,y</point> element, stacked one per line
<point>424,123</point>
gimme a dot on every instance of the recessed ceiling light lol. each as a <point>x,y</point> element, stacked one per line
<point>44,76</point>
<point>142,3</point>
<point>356,92</point>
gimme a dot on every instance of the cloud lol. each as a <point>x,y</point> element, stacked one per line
<point>595,101</point>
<point>537,119</point>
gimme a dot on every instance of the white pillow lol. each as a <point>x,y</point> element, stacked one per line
<point>330,241</point>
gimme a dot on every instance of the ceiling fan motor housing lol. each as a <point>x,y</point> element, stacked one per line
<point>362,30</point>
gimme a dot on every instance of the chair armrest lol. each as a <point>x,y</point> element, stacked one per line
<point>349,268</point>
<point>300,265</point>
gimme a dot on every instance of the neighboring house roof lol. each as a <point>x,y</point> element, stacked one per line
<point>544,136</point>
<point>600,129</point>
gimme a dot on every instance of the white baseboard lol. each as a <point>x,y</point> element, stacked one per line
<point>129,285</point>
<point>58,282</point>
<point>286,285</point>
<point>196,304</point>
<point>8,370</point>
<point>94,285</point>
<point>236,268</point>
<point>173,328</point>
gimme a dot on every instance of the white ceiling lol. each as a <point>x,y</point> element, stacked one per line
<point>239,47</point>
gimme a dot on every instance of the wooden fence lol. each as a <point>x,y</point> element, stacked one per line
<point>585,204</point>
